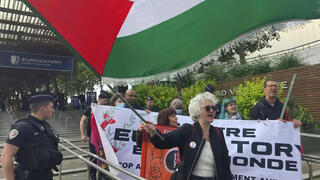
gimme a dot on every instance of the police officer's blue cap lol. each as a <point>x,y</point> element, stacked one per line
<point>210,88</point>
<point>40,97</point>
<point>149,98</point>
<point>104,95</point>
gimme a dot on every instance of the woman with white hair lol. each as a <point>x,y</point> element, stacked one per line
<point>202,146</point>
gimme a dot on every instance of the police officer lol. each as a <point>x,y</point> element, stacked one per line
<point>33,144</point>
<point>150,104</point>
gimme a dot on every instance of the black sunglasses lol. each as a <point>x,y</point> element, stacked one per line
<point>207,108</point>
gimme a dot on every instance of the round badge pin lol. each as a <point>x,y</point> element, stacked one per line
<point>193,144</point>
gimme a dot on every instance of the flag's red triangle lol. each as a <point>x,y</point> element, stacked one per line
<point>89,27</point>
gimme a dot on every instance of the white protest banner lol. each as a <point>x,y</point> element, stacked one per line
<point>121,133</point>
<point>262,151</point>
<point>258,151</point>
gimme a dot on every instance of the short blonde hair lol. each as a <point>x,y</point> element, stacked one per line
<point>196,102</point>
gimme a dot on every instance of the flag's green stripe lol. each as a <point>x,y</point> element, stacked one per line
<point>181,41</point>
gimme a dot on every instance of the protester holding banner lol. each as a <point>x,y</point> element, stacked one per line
<point>131,98</point>
<point>85,122</point>
<point>166,117</point>
<point>270,107</point>
<point>229,110</point>
<point>116,101</point>
<point>202,147</point>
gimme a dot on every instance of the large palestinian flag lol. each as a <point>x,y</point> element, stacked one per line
<point>159,36</point>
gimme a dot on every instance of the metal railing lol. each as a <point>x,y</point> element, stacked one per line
<point>59,116</point>
<point>83,157</point>
<point>310,158</point>
<point>269,56</point>
<point>12,115</point>
<point>89,163</point>
<point>305,157</point>
<point>289,50</point>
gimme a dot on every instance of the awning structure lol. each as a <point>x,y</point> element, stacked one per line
<point>22,31</point>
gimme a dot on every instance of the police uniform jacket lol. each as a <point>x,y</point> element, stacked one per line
<point>37,144</point>
<point>190,141</point>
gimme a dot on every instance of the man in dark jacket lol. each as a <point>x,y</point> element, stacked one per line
<point>131,97</point>
<point>86,124</point>
<point>270,107</point>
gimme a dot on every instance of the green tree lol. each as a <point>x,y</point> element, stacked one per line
<point>298,112</point>
<point>190,92</point>
<point>162,94</point>
<point>257,67</point>
<point>63,83</point>
<point>288,61</point>
<point>242,48</point>
<point>215,72</point>
<point>83,79</point>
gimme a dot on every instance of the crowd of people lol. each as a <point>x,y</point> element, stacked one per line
<point>203,109</point>
<point>204,156</point>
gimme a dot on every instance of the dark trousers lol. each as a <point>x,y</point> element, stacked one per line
<point>92,149</point>
<point>21,174</point>
<point>93,170</point>
<point>34,176</point>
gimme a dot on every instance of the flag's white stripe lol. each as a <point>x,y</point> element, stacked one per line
<point>148,13</point>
